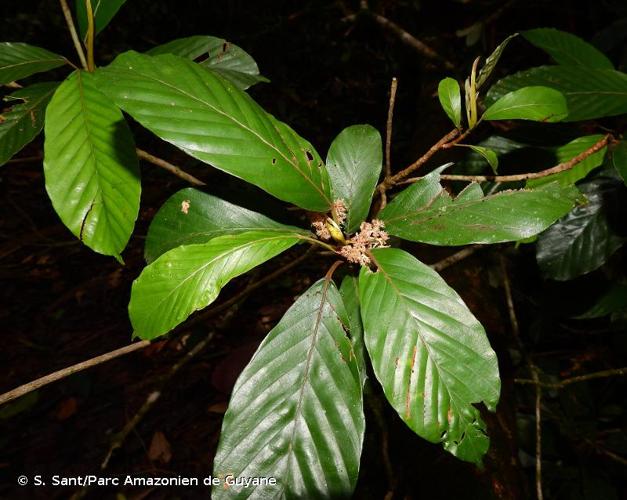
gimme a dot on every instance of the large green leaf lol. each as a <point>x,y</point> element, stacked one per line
<point>580,170</point>
<point>90,164</point>
<point>590,93</point>
<point>349,289</point>
<point>190,277</point>
<point>425,212</point>
<point>212,120</point>
<point>567,49</point>
<point>19,60</point>
<point>492,61</point>
<point>354,164</point>
<point>21,123</point>
<point>104,11</point>
<point>540,104</point>
<point>191,216</point>
<point>429,352</point>
<point>221,56</point>
<point>296,413</point>
<point>583,240</point>
<point>450,98</point>
<point>619,159</point>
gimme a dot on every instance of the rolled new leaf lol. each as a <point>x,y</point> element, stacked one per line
<point>429,352</point>
<point>190,277</point>
<point>425,212</point>
<point>90,165</point>
<point>354,163</point>
<point>212,120</point>
<point>191,216</point>
<point>296,413</point>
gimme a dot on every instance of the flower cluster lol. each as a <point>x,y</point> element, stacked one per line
<point>320,228</point>
<point>371,235</point>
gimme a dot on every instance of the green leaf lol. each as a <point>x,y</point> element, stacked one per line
<point>488,155</point>
<point>580,170</point>
<point>221,56</point>
<point>212,120</point>
<point>349,290</point>
<point>191,216</point>
<point>583,240</point>
<point>540,104</point>
<point>354,164</point>
<point>19,60</point>
<point>450,98</point>
<point>91,169</point>
<point>104,11</point>
<point>614,301</point>
<point>425,212</point>
<point>429,353</point>
<point>590,93</point>
<point>190,277</point>
<point>21,123</point>
<point>296,413</point>
<point>492,60</point>
<point>619,159</point>
<point>567,49</point>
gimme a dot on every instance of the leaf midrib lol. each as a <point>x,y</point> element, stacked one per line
<point>237,122</point>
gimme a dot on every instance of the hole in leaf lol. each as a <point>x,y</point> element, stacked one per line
<point>309,155</point>
<point>274,161</point>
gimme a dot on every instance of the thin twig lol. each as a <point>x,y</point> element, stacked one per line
<point>70,370</point>
<point>533,370</point>
<point>26,159</point>
<point>65,372</point>
<point>13,85</point>
<point>67,13</point>
<point>388,129</point>
<point>407,38</point>
<point>173,169</point>
<point>615,372</point>
<point>561,167</point>
<point>456,257</point>
<point>390,182</point>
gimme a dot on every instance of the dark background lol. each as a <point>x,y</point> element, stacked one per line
<point>60,303</point>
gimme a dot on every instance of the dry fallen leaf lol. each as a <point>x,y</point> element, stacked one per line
<point>159,448</point>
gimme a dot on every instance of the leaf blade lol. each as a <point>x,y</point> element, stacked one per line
<point>90,166</point>
<point>412,316</point>
<point>191,216</point>
<point>19,60</point>
<point>426,213</point>
<point>354,164</point>
<point>190,277</point>
<point>23,122</point>
<point>213,121</point>
<point>450,98</point>
<point>567,49</point>
<point>535,103</point>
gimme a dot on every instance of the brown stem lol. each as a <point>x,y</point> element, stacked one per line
<point>562,167</point>
<point>408,39</point>
<point>70,370</point>
<point>388,129</point>
<point>67,13</point>
<point>573,380</point>
<point>173,169</point>
<point>455,258</point>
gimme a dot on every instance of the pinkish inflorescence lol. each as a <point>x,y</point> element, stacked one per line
<point>371,235</point>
